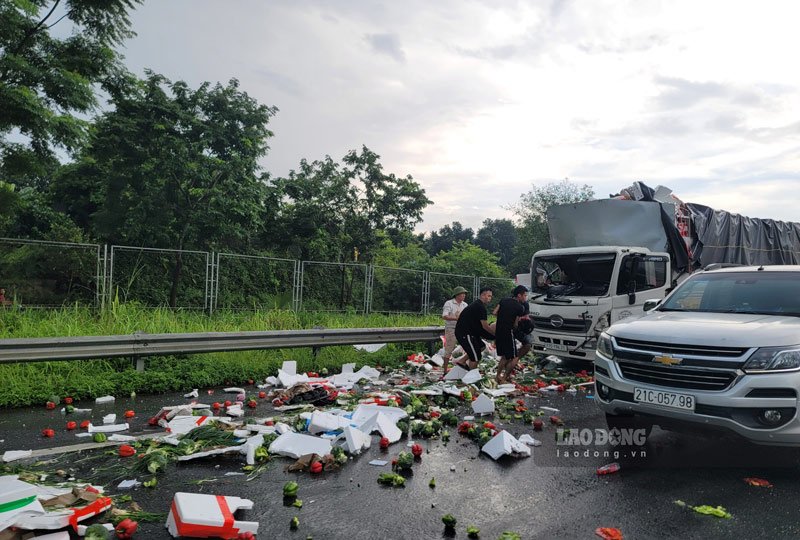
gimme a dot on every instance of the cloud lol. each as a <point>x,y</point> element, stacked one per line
<point>682,94</point>
<point>388,44</point>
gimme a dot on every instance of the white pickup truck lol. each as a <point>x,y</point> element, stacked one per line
<point>721,351</point>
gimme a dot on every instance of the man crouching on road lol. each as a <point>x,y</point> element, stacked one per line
<point>508,313</point>
<point>472,327</point>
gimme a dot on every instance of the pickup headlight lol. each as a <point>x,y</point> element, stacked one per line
<point>605,346</point>
<point>770,359</point>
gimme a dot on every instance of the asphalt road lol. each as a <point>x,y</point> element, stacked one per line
<point>545,496</point>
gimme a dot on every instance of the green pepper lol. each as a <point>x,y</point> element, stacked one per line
<point>449,521</point>
<point>473,532</point>
<point>290,489</point>
<point>262,454</point>
<point>432,483</point>
<point>509,535</point>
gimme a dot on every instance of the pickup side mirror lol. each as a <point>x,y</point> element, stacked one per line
<point>650,304</point>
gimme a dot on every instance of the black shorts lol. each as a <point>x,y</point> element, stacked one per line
<point>472,345</point>
<point>506,345</point>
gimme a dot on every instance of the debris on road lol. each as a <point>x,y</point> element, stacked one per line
<point>706,509</point>
<point>758,482</point>
<point>195,515</point>
<point>608,533</point>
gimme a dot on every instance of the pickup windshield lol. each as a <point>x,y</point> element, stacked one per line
<point>764,293</point>
<point>585,274</point>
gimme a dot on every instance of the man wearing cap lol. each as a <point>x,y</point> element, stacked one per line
<point>450,313</point>
<point>508,313</point>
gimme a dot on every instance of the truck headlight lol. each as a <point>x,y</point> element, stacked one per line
<point>605,346</point>
<point>769,359</point>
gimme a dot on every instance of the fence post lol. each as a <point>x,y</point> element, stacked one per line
<point>476,286</point>
<point>368,275</point>
<point>426,292</point>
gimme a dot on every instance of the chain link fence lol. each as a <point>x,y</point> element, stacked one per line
<point>51,274</point>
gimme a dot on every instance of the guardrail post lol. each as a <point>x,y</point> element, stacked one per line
<point>139,363</point>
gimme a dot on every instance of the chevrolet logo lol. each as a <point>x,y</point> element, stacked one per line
<point>667,360</point>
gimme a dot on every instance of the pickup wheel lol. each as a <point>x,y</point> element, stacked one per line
<point>621,422</point>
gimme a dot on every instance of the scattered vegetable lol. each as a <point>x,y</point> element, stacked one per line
<point>290,489</point>
<point>449,521</point>
<point>126,528</point>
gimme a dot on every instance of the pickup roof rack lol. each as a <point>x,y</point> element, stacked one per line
<point>716,266</point>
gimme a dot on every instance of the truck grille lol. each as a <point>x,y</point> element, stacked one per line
<point>675,377</point>
<point>682,350</point>
<point>568,325</point>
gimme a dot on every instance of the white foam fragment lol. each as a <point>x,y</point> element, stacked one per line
<point>530,441</point>
<point>110,419</point>
<point>471,376</point>
<point>295,445</point>
<point>193,394</point>
<point>108,428</point>
<point>455,374</point>
<point>483,404</point>
<point>505,444</point>
<point>13,455</point>
<point>105,399</point>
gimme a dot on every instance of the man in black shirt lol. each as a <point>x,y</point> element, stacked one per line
<point>472,327</point>
<point>508,313</point>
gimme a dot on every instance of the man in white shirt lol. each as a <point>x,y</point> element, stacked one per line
<point>450,313</point>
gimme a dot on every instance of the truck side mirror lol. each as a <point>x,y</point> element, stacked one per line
<point>631,292</point>
<point>650,304</point>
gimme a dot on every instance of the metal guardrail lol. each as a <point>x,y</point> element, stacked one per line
<point>141,344</point>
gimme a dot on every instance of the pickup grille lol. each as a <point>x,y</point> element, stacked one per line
<point>569,325</point>
<point>682,350</point>
<point>676,377</point>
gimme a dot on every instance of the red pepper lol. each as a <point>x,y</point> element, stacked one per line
<point>126,450</point>
<point>250,381</point>
<point>50,405</point>
<point>68,401</point>
<point>246,536</point>
<point>435,414</point>
<point>489,425</point>
<point>129,414</point>
<point>521,402</point>
<point>269,423</point>
<point>313,374</point>
<point>416,449</point>
<point>556,420</point>
<point>463,427</point>
<point>126,528</point>
<point>316,467</point>
<point>252,404</point>
<point>216,406</point>
<point>538,425</point>
<point>384,444</point>
<point>85,424</point>
<point>71,425</point>
<point>48,433</point>
<point>262,394</point>
<point>277,403</point>
<point>228,403</point>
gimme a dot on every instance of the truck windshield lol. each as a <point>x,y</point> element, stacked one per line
<point>764,293</point>
<point>585,274</point>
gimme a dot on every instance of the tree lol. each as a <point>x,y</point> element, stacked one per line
<point>331,211</point>
<point>531,211</point>
<point>498,236</point>
<point>173,167</point>
<point>447,236</point>
<point>46,81</point>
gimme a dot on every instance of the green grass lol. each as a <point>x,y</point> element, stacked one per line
<point>34,383</point>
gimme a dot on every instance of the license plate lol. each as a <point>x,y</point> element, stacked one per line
<point>672,400</point>
<point>556,346</point>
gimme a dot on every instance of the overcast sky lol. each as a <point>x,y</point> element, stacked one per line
<point>480,100</point>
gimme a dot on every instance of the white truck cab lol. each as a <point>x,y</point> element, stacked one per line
<point>576,293</point>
